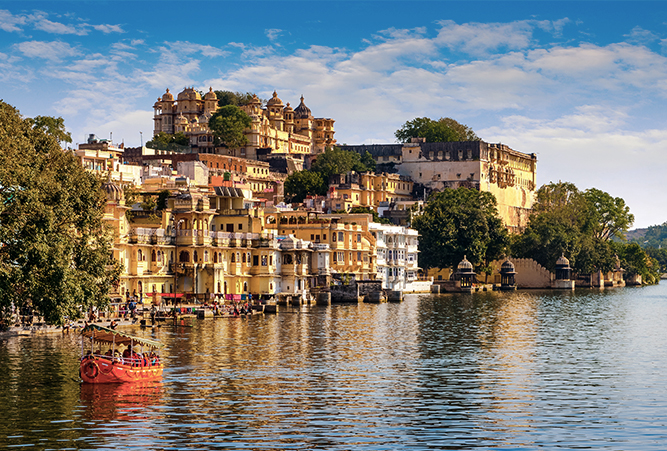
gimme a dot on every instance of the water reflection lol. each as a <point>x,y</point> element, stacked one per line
<point>491,370</point>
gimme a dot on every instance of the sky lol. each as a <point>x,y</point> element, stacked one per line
<point>581,84</point>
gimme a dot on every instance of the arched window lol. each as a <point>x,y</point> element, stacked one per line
<point>153,258</point>
<point>233,257</point>
<point>184,257</point>
<point>243,257</point>
<point>140,255</point>
<point>215,259</point>
<point>245,286</point>
<point>205,256</point>
<point>196,258</point>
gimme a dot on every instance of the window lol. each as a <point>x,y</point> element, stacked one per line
<point>324,237</point>
<point>240,226</point>
<point>264,260</point>
<point>358,256</point>
<point>358,237</point>
<point>334,257</point>
<point>233,257</point>
<point>248,258</point>
<point>333,237</point>
<point>271,260</point>
<point>341,237</point>
<point>255,260</point>
<point>312,237</point>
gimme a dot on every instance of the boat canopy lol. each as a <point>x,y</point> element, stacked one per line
<point>106,335</point>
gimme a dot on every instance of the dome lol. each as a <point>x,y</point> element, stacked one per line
<point>210,95</point>
<point>275,100</point>
<point>507,267</point>
<point>114,192</point>
<point>302,111</point>
<point>189,94</point>
<point>288,109</point>
<point>562,261</point>
<point>255,100</point>
<point>465,265</point>
<point>167,96</point>
<point>181,120</point>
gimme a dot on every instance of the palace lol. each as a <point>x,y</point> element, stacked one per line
<point>276,129</point>
<point>496,168</point>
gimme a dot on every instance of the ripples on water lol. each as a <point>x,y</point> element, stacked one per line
<point>522,370</point>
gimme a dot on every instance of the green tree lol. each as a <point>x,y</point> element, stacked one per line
<point>162,199</point>
<point>300,184</point>
<point>54,126</point>
<point>235,98</point>
<point>336,161</point>
<point>443,130</point>
<point>55,253</point>
<point>579,225</point>
<point>457,223</point>
<point>167,141</point>
<point>635,261</point>
<point>228,125</point>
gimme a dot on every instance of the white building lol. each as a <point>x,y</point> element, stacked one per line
<point>397,249</point>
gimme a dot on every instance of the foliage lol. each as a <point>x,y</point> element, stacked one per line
<point>655,236</point>
<point>234,98</point>
<point>336,161</point>
<point>579,225</point>
<point>167,141</point>
<point>55,253</point>
<point>635,261</point>
<point>659,255</point>
<point>444,129</point>
<point>300,184</point>
<point>376,216</point>
<point>228,125</point>
<point>54,126</point>
<point>162,199</point>
<point>148,203</point>
<point>457,223</point>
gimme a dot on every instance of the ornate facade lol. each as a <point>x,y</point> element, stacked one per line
<point>275,129</point>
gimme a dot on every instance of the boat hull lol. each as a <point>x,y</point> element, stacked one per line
<point>104,371</point>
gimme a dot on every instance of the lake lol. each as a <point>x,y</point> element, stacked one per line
<point>521,370</point>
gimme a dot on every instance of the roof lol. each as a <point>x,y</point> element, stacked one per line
<point>106,335</point>
<point>227,191</point>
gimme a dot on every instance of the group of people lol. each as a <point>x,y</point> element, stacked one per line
<point>128,357</point>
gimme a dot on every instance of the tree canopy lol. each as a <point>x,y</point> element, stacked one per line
<point>228,125</point>
<point>167,141</point>
<point>234,98</point>
<point>460,222</point>
<point>300,184</point>
<point>333,161</point>
<point>444,129</point>
<point>55,253</point>
<point>587,227</point>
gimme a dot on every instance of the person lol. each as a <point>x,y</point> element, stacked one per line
<point>113,324</point>
<point>153,314</point>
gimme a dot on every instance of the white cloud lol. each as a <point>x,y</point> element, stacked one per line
<point>638,35</point>
<point>10,22</point>
<point>481,38</point>
<point>59,28</point>
<point>273,33</point>
<point>105,28</point>
<point>52,51</point>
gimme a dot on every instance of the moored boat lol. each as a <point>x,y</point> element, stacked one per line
<point>139,361</point>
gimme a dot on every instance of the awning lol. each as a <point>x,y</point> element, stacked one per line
<point>106,335</point>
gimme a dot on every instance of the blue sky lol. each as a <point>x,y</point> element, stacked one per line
<point>581,84</point>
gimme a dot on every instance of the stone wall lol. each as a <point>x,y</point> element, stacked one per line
<point>529,273</point>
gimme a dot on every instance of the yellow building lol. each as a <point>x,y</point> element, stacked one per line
<point>350,243</point>
<point>275,129</point>
<point>367,190</point>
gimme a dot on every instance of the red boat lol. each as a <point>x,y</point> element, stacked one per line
<point>139,362</point>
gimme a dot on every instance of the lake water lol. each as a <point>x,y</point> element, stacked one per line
<point>523,370</point>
